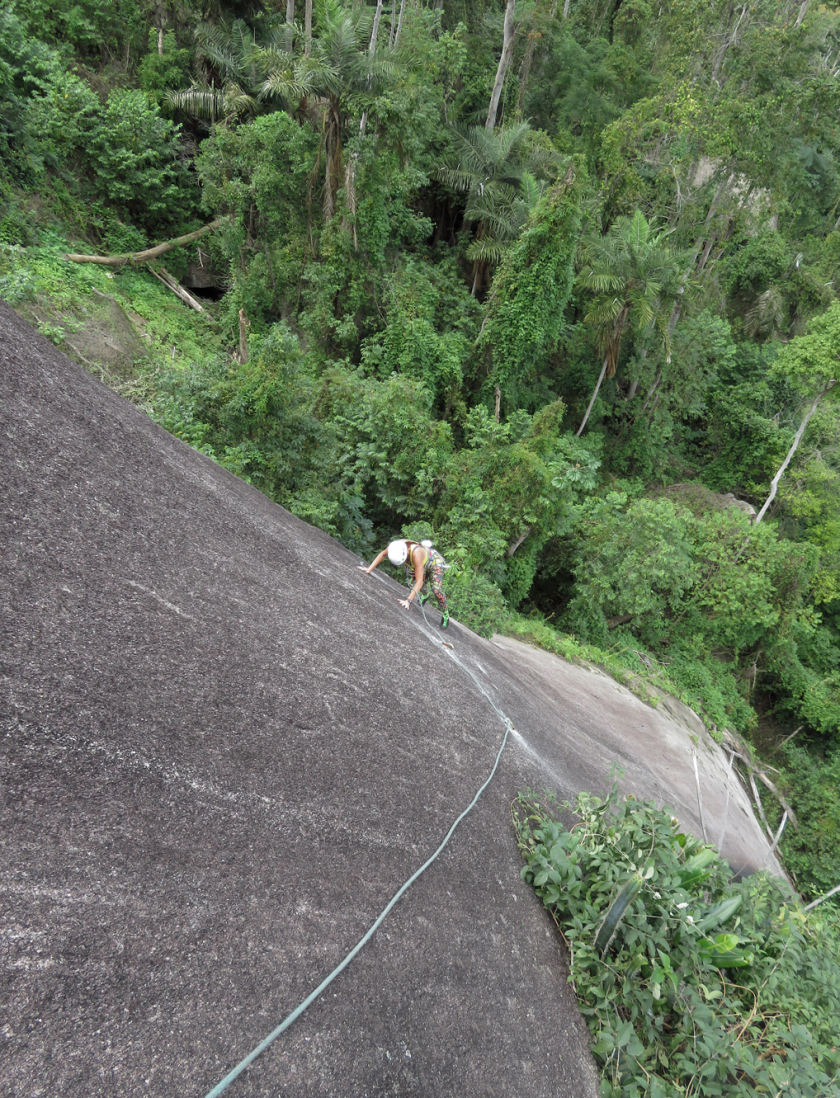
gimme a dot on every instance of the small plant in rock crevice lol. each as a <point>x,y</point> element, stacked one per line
<point>692,984</point>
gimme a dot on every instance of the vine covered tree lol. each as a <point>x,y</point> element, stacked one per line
<point>497,170</point>
<point>526,306</point>
<point>635,279</point>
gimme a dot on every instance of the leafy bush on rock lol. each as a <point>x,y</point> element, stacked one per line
<point>691,983</point>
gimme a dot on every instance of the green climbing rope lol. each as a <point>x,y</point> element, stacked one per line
<point>310,999</point>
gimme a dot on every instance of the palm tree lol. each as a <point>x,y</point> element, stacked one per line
<point>496,169</point>
<point>324,85</point>
<point>229,88</point>
<point>636,279</point>
<point>338,73</point>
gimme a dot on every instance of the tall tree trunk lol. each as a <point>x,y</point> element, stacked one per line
<point>307,28</point>
<point>717,63</point>
<point>371,51</point>
<point>334,154</point>
<point>525,71</point>
<point>652,390</point>
<point>797,438</point>
<point>399,24</point>
<point>710,241</point>
<point>579,431</point>
<point>634,384</point>
<point>244,326</point>
<point>375,31</point>
<point>290,24</point>
<point>350,174</point>
<point>501,71</point>
<point>159,20</point>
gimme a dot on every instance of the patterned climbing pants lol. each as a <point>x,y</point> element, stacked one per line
<point>433,578</point>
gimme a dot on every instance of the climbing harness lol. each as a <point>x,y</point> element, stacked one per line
<point>310,999</point>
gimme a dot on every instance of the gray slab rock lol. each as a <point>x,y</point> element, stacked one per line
<point>224,749</point>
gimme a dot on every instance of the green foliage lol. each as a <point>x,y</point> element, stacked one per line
<point>658,431</point>
<point>525,313</point>
<point>812,852</point>
<point>636,562</point>
<point>475,600</point>
<point>160,72</point>
<point>811,361</point>
<point>807,694</point>
<point>135,155</point>
<point>714,578</point>
<point>393,452</point>
<point>745,442</point>
<point>91,27</point>
<point>706,594</point>
<point>520,571</point>
<point>427,335</point>
<point>500,172</point>
<point>514,481</point>
<point>635,278</point>
<point>43,107</point>
<point>255,417</point>
<point>257,177</point>
<point>656,926</point>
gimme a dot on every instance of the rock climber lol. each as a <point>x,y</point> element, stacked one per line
<point>423,564</point>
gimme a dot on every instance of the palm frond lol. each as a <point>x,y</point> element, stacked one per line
<point>219,47</point>
<point>207,103</point>
<point>289,85</point>
<point>532,190</point>
<point>767,314</point>
<point>455,178</point>
<point>601,279</point>
<point>499,224</point>
<point>485,250</point>
<point>603,313</point>
<point>510,137</point>
<point>275,39</point>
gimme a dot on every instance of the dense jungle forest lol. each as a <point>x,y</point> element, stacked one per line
<point>555,284</point>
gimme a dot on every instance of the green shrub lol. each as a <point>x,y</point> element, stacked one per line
<point>812,781</point>
<point>690,983</point>
<point>475,600</point>
<point>254,417</point>
<point>134,154</point>
<point>159,72</point>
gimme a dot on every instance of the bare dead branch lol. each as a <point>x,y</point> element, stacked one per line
<point>172,284</point>
<point>135,258</point>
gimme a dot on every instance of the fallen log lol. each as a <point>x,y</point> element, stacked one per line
<point>134,258</point>
<point>172,284</point>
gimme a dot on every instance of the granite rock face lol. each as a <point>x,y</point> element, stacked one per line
<point>224,749</point>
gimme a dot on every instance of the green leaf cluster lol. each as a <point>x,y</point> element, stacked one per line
<point>690,982</point>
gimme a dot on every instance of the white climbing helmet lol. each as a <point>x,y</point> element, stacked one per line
<point>397,552</point>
